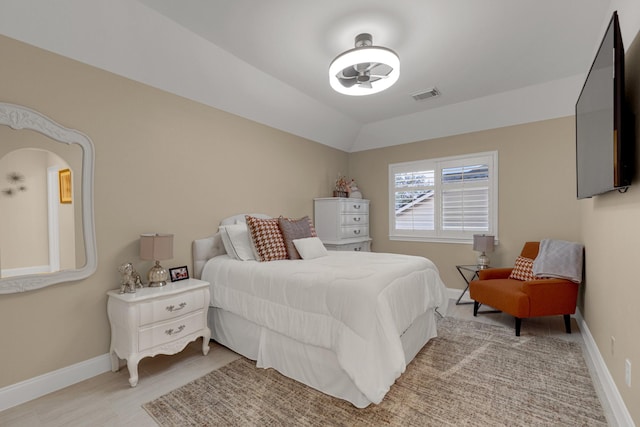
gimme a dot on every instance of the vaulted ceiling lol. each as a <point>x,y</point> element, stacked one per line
<point>495,62</point>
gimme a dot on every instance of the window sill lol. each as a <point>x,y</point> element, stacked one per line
<point>430,239</point>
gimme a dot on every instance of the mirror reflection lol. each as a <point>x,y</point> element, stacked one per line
<point>37,227</point>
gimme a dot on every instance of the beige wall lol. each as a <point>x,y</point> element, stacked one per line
<point>536,171</point>
<point>611,231</point>
<point>163,164</point>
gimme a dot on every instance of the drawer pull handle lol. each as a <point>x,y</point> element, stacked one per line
<point>357,219</point>
<point>357,249</point>
<point>174,332</point>
<point>356,206</point>
<point>172,308</point>
<point>356,231</point>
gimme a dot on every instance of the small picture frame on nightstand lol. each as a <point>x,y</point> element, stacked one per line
<point>179,273</point>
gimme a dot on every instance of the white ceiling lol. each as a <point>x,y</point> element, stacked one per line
<point>496,62</point>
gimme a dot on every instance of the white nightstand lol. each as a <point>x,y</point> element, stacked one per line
<point>157,321</point>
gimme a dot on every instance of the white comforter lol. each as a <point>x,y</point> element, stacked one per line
<point>357,304</point>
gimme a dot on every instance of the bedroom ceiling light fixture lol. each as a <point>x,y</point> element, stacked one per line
<point>365,69</point>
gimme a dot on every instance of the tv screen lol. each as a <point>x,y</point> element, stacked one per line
<point>604,148</point>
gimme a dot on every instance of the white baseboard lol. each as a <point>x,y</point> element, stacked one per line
<point>33,388</point>
<point>618,409</point>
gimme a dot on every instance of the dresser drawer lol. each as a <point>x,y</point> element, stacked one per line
<point>349,232</point>
<point>356,247</point>
<point>354,207</point>
<point>171,307</point>
<point>354,219</point>
<point>165,332</point>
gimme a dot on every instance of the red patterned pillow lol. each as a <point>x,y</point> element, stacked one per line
<point>267,238</point>
<point>523,269</point>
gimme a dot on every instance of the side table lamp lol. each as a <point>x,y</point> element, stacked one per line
<point>483,243</point>
<point>156,247</point>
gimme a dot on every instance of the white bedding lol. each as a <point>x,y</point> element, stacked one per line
<point>357,304</point>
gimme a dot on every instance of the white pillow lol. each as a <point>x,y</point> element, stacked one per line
<point>310,247</point>
<point>237,241</point>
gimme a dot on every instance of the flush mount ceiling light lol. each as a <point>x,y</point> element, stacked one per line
<point>364,70</point>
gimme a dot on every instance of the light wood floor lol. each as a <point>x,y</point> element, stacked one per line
<point>107,399</point>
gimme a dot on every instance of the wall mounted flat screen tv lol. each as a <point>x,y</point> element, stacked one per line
<point>604,124</point>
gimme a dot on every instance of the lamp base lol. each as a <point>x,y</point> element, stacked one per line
<point>483,261</point>
<point>157,276</point>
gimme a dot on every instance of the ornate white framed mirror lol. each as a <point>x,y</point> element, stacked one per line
<point>47,232</point>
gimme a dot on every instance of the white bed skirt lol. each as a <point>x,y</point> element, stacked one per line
<point>314,366</point>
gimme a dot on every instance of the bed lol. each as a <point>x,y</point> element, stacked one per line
<point>344,323</point>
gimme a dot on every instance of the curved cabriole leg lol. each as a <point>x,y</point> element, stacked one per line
<point>518,324</point>
<point>205,342</point>
<point>567,323</point>
<point>132,365</point>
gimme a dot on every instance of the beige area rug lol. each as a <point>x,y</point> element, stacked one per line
<point>473,374</point>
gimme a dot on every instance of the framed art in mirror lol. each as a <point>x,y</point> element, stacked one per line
<point>64,181</point>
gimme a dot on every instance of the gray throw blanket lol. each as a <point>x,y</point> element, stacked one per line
<point>559,258</point>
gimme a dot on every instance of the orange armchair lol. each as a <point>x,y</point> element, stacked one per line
<point>524,298</point>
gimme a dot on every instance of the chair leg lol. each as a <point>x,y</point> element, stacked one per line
<point>518,323</point>
<point>476,305</point>
<point>567,323</point>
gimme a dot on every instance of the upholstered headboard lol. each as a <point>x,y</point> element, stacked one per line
<point>202,250</point>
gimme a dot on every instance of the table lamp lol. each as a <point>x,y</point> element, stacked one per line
<point>156,247</point>
<point>483,243</point>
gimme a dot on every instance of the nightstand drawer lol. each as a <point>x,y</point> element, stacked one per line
<point>172,307</point>
<point>168,331</point>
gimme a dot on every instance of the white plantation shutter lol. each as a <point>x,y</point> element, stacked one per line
<point>413,201</point>
<point>465,197</point>
<point>465,209</point>
<point>445,199</point>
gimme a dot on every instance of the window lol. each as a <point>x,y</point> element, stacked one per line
<point>447,199</point>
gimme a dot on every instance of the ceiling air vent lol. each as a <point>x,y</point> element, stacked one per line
<point>431,93</point>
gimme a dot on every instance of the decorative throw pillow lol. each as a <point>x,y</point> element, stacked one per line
<point>267,238</point>
<point>311,227</point>
<point>237,241</point>
<point>523,269</point>
<point>294,229</point>
<point>310,248</point>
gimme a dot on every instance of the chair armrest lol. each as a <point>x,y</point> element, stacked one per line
<point>551,296</point>
<point>494,273</point>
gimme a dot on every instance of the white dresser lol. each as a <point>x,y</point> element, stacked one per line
<point>157,321</point>
<point>343,224</point>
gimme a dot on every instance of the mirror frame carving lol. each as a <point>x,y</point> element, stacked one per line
<point>18,117</point>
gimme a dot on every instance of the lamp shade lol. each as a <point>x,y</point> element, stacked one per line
<point>156,247</point>
<point>483,243</point>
